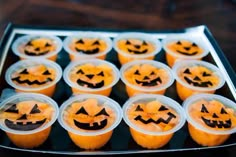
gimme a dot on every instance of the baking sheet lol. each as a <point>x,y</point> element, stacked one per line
<point>121,141</point>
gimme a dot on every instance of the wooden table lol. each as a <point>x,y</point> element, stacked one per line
<point>218,15</point>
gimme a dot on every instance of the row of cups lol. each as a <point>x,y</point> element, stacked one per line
<point>90,119</point>
<point>97,76</point>
<point>129,46</point>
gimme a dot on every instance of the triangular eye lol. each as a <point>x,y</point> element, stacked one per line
<point>80,72</point>
<point>35,109</point>
<point>12,109</point>
<point>223,111</point>
<point>102,112</point>
<point>137,72</point>
<point>29,44</point>
<point>96,43</point>
<point>47,45</point>
<point>138,108</point>
<point>187,71</point>
<point>82,111</point>
<point>144,43</point>
<point>179,43</point>
<point>46,72</point>
<point>79,41</point>
<point>127,42</point>
<point>24,72</point>
<point>204,74</point>
<point>194,45</point>
<point>204,109</point>
<point>37,49</point>
<point>101,74</point>
<point>162,108</point>
<point>152,73</point>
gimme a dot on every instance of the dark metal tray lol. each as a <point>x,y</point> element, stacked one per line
<point>121,141</point>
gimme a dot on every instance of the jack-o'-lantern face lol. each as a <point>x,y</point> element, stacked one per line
<point>185,47</point>
<point>146,75</point>
<point>199,76</point>
<point>89,46</point>
<point>26,115</point>
<point>153,116</point>
<point>34,76</point>
<point>89,115</point>
<point>39,46</point>
<point>213,114</point>
<point>92,76</point>
<point>135,46</point>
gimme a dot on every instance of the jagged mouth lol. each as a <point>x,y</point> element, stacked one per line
<point>24,126</point>
<point>154,82</point>
<point>94,126</point>
<point>90,85</point>
<point>198,84</point>
<point>217,124</point>
<point>88,52</point>
<point>18,80</point>
<point>158,121</point>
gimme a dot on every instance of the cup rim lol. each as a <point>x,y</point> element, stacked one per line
<point>152,62</point>
<point>137,35</point>
<point>25,38</point>
<point>112,104</point>
<point>72,64</point>
<point>188,63</point>
<point>68,39</point>
<point>161,98</point>
<point>34,61</point>
<point>172,38</point>
<point>196,97</point>
<point>31,96</point>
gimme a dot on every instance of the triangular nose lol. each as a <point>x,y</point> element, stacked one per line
<point>23,117</point>
<point>137,46</point>
<point>146,78</point>
<point>197,78</point>
<point>187,48</point>
<point>215,116</point>
<point>90,76</point>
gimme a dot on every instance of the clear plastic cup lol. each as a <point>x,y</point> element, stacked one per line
<point>194,76</point>
<point>34,75</point>
<point>146,76</point>
<point>90,119</point>
<point>153,119</point>
<point>37,46</point>
<point>87,45</point>
<point>94,76</point>
<point>183,47</point>
<point>136,46</point>
<point>27,118</point>
<point>211,118</point>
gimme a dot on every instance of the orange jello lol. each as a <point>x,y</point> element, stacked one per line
<point>146,76</point>
<point>90,119</point>
<point>27,118</point>
<point>194,76</point>
<point>34,75</point>
<point>183,47</point>
<point>136,46</point>
<point>93,76</point>
<point>87,45</point>
<point>211,118</point>
<point>153,119</point>
<point>37,46</point>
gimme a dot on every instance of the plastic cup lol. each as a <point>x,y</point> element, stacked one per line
<point>94,76</point>
<point>136,46</point>
<point>194,76</point>
<point>87,45</point>
<point>34,75</point>
<point>37,46</point>
<point>211,118</point>
<point>153,119</point>
<point>146,76</point>
<point>90,119</point>
<point>27,118</point>
<point>183,47</point>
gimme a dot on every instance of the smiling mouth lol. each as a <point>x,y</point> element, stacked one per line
<point>218,124</point>
<point>137,52</point>
<point>88,52</point>
<point>24,127</point>
<point>149,83</point>
<point>198,84</point>
<point>36,54</point>
<point>17,79</point>
<point>186,53</point>
<point>90,85</point>
<point>94,126</point>
<point>158,121</point>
